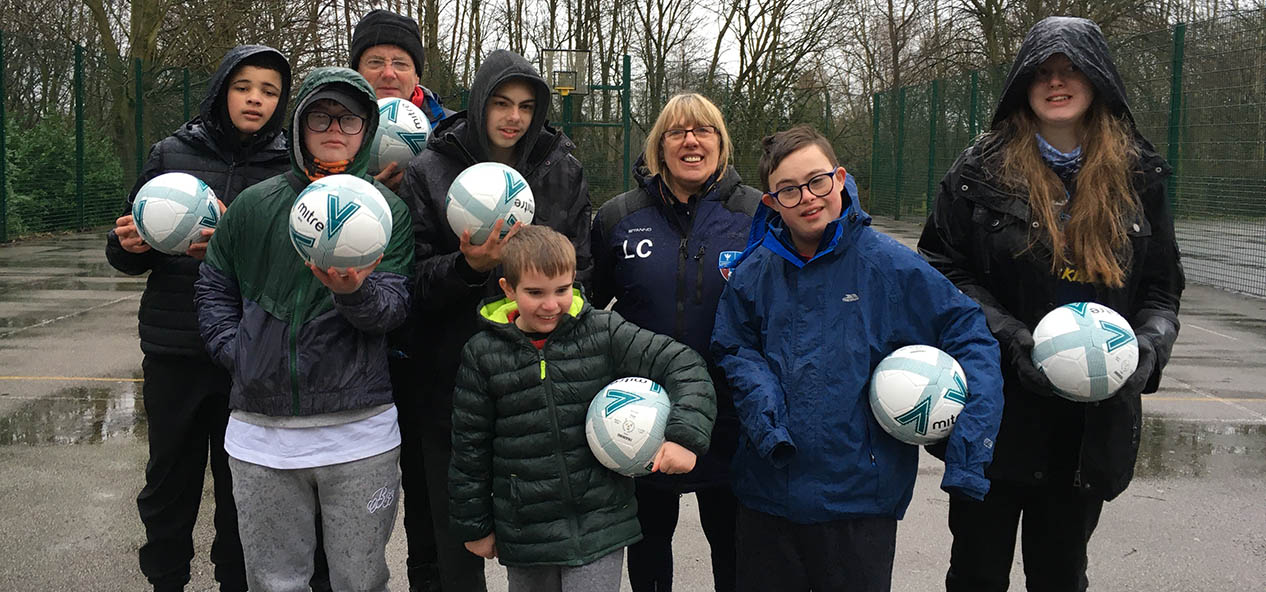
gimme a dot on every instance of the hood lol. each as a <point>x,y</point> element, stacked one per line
<point>1084,44</point>
<point>498,67</point>
<point>356,85</point>
<point>213,111</point>
<point>769,231</point>
<point>496,311</point>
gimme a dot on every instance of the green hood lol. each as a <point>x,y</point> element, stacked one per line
<point>352,82</point>
<point>498,310</point>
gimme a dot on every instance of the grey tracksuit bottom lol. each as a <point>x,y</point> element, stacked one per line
<point>277,511</point>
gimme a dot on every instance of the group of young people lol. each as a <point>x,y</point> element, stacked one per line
<point>462,373</point>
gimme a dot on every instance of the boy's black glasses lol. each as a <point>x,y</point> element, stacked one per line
<point>319,121</point>
<point>819,185</point>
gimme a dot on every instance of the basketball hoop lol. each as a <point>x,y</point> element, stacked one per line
<point>567,71</point>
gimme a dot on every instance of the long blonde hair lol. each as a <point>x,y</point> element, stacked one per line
<point>1094,240</point>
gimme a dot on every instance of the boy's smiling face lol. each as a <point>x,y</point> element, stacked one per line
<point>542,300</point>
<point>809,218</point>
<point>252,98</point>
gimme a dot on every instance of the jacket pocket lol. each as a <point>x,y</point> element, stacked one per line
<point>999,234</point>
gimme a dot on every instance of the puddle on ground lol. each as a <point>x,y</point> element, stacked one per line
<point>78,415</point>
<point>1192,449</point>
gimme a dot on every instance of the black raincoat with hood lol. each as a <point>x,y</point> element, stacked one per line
<point>447,290</point>
<point>978,234</point>
<point>207,147</point>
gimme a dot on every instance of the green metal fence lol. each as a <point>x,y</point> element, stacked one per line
<point>1197,91</point>
<point>71,123</point>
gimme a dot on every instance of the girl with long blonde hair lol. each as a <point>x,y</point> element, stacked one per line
<point>1062,201</point>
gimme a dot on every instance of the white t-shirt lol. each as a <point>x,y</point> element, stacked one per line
<point>312,445</point>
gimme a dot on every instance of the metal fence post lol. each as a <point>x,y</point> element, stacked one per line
<point>1172,153</point>
<point>934,107</point>
<point>900,154</point>
<point>566,123</point>
<point>627,116</point>
<point>79,131</point>
<point>185,88</point>
<point>973,123</point>
<point>874,150</point>
<point>139,116</point>
<point>4,174</point>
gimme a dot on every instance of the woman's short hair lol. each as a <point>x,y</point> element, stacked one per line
<point>691,109</point>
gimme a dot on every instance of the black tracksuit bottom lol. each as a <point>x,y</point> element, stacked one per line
<point>651,559</point>
<point>1055,524</point>
<point>435,562</point>
<point>186,406</point>
<point>848,555</point>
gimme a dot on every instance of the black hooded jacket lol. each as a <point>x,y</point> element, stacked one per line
<point>978,234</point>
<point>208,148</point>
<point>447,290</point>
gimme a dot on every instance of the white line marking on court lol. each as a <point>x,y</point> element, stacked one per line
<point>1212,331</point>
<point>67,316</point>
<point>1231,404</point>
<point>1220,420</point>
<point>43,398</point>
<point>73,378</point>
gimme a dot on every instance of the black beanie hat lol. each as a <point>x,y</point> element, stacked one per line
<point>383,27</point>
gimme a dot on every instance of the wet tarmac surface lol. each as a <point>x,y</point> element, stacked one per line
<point>77,415</point>
<point>73,448</point>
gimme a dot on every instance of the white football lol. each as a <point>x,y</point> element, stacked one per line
<point>916,394</point>
<point>484,193</point>
<point>1086,349</point>
<point>625,425</point>
<point>340,221</point>
<point>403,130</point>
<point>172,209</point>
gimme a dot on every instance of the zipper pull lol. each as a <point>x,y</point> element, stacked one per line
<point>682,249</point>
<point>541,354</point>
<point>700,254</point>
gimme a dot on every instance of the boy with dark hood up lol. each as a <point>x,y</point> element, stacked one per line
<point>233,143</point>
<point>506,123</point>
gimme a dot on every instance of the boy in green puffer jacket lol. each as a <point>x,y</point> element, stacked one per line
<point>523,485</point>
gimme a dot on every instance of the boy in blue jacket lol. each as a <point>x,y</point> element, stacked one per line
<point>817,299</point>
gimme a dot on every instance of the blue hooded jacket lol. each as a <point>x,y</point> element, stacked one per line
<point>798,341</point>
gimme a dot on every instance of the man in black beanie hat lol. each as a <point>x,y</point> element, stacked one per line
<point>387,50</point>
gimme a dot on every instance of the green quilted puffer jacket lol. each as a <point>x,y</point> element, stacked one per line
<point>521,465</point>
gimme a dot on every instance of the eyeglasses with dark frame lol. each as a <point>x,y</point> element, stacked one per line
<point>702,133</point>
<point>790,196</point>
<point>319,121</point>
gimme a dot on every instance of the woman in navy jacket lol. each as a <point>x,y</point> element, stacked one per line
<point>658,251</point>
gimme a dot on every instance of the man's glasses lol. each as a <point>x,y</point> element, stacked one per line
<point>819,185</point>
<point>319,121</point>
<point>702,133</point>
<point>377,64</point>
